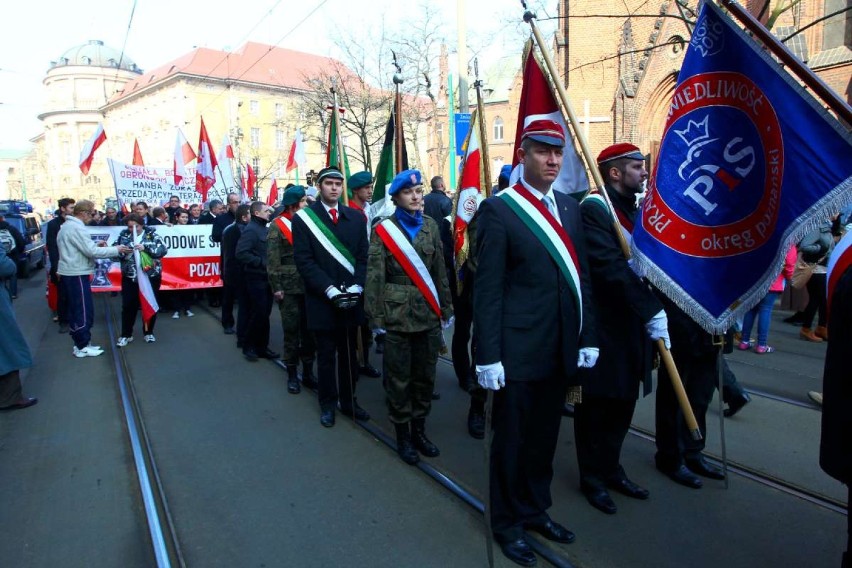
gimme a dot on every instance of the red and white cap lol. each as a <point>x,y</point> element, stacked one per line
<point>545,132</point>
<point>622,150</point>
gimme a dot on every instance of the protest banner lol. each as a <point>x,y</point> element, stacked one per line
<point>155,185</point>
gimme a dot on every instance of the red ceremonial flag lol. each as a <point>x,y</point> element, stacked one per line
<point>205,171</point>
<point>88,152</point>
<point>183,155</point>
<point>273,193</point>
<point>470,192</point>
<point>539,103</point>
<point>252,182</point>
<point>137,154</point>
<point>297,153</point>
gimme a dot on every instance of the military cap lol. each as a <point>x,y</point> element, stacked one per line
<point>329,172</point>
<point>359,180</point>
<point>293,195</point>
<point>404,180</point>
<point>622,150</point>
<point>545,131</point>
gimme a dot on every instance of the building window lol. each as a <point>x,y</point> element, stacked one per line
<point>282,169</point>
<point>279,110</point>
<point>837,30</point>
<point>439,131</point>
<point>255,138</point>
<point>255,165</point>
<point>254,107</point>
<point>279,139</point>
<point>498,129</point>
<point>66,152</point>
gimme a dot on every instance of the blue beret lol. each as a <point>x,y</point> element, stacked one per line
<point>404,180</point>
<point>506,172</point>
<point>293,195</point>
<point>359,180</point>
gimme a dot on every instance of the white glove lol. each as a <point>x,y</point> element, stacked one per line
<point>354,289</point>
<point>379,331</point>
<point>447,323</point>
<point>332,291</point>
<point>587,357</point>
<point>658,328</point>
<point>492,376</point>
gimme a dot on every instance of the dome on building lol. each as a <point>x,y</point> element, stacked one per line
<point>96,54</point>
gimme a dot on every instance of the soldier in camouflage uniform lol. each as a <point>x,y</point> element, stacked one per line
<point>288,290</point>
<point>411,314</point>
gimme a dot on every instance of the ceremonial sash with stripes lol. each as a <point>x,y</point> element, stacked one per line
<point>410,261</point>
<point>551,234</point>
<point>327,239</point>
<point>840,260</point>
<point>623,220</point>
<point>286,227</point>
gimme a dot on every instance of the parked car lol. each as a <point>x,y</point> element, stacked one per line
<point>20,215</point>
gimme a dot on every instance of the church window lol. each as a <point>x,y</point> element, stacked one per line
<point>498,129</point>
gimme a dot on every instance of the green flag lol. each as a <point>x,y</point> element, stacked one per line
<point>386,169</point>
<point>331,157</point>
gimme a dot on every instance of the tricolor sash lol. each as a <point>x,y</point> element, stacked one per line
<point>286,227</point>
<point>550,233</point>
<point>327,239</point>
<point>411,263</point>
<point>838,262</point>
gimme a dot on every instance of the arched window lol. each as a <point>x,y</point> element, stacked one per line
<point>498,129</point>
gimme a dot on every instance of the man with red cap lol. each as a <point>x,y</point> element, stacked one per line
<point>628,320</point>
<point>533,307</point>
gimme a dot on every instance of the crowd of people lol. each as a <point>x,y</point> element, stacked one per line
<point>528,322</point>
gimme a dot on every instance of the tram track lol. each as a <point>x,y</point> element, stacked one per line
<point>161,528</point>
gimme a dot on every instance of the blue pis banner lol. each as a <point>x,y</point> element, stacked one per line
<point>749,163</point>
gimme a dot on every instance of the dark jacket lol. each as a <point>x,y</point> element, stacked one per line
<point>437,205</point>
<point>524,311</point>
<point>251,248</point>
<point>20,243</point>
<point>219,225</point>
<point>232,270</point>
<point>624,304</point>
<point>320,270</point>
<point>207,218</point>
<point>53,227</point>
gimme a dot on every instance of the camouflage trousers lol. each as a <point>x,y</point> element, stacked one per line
<point>409,371</point>
<point>299,343</point>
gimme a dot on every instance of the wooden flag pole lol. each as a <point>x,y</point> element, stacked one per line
<point>486,158</point>
<point>665,354</point>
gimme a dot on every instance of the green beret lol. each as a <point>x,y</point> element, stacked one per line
<point>359,180</point>
<point>293,195</point>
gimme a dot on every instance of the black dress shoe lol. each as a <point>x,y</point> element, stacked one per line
<point>359,414</point>
<point>683,476</point>
<point>627,487</point>
<point>699,465</point>
<point>268,354</point>
<point>519,552</point>
<point>476,424</point>
<point>327,418</point>
<point>22,403</point>
<point>568,410</point>
<point>293,386</point>
<point>369,371</point>
<point>309,382</point>
<point>552,531</point>
<point>250,354</point>
<point>230,331</point>
<point>736,403</point>
<point>599,499</point>
<point>436,395</point>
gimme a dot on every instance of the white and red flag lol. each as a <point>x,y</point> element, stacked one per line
<point>147,298</point>
<point>137,154</point>
<point>88,152</point>
<point>539,103</point>
<point>251,183</point>
<point>183,155</point>
<point>226,151</point>
<point>471,192</point>
<point>205,171</point>
<point>296,159</point>
<point>273,193</point>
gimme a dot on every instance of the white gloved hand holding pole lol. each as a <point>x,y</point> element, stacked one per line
<point>658,328</point>
<point>587,357</point>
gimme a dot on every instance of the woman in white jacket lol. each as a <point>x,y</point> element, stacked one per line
<point>77,254</point>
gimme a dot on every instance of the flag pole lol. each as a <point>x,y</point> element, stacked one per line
<point>339,139</point>
<point>665,354</point>
<point>397,116</point>
<point>486,159</point>
<point>808,77</point>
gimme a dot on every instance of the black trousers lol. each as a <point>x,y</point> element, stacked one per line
<point>698,373</point>
<point>243,309</point>
<point>816,301</point>
<point>229,295</point>
<point>337,366</point>
<point>526,426</point>
<point>130,306</point>
<point>462,357</point>
<point>600,426</point>
<point>259,297</point>
<point>61,304</point>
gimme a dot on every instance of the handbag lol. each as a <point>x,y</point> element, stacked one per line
<point>802,272</point>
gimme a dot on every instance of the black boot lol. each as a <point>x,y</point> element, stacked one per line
<point>309,381</point>
<point>421,442</point>
<point>404,447</point>
<point>293,386</point>
<point>476,424</point>
<point>380,343</point>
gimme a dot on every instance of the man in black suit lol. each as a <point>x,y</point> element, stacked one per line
<point>330,250</point>
<point>141,209</point>
<point>65,206</point>
<point>533,309</point>
<point>215,296</point>
<point>437,204</point>
<point>233,282</point>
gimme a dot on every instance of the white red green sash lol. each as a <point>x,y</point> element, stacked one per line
<point>286,227</point>
<point>623,221</point>
<point>840,260</point>
<point>550,233</point>
<point>410,261</point>
<point>327,239</point>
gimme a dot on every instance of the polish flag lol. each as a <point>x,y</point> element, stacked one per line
<point>137,154</point>
<point>470,193</point>
<point>296,159</point>
<point>226,151</point>
<point>251,185</point>
<point>88,152</point>
<point>183,155</point>
<point>205,171</point>
<point>273,193</point>
<point>147,298</point>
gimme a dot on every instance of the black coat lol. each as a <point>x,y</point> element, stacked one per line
<point>437,205</point>
<point>624,304</point>
<point>219,225</point>
<point>53,227</point>
<point>206,218</point>
<point>320,270</point>
<point>524,311</point>
<point>251,248</point>
<point>232,271</point>
<point>835,451</point>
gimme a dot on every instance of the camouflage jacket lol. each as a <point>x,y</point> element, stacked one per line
<point>154,248</point>
<point>280,266</point>
<point>391,299</point>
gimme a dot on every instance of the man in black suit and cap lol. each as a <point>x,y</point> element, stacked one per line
<point>533,312</point>
<point>330,250</point>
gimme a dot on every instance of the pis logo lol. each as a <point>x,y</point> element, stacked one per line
<point>717,184</point>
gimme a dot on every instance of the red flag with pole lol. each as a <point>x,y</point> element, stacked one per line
<point>137,154</point>
<point>273,193</point>
<point>205,171</point>
<point>251,184</point>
